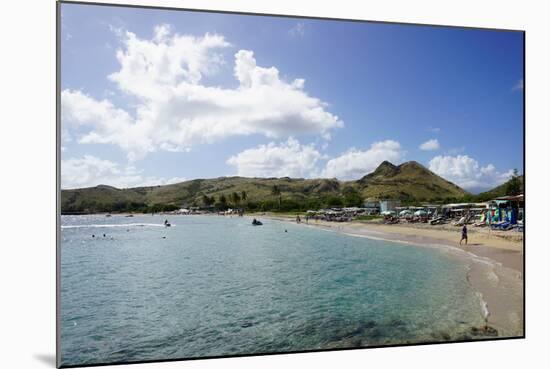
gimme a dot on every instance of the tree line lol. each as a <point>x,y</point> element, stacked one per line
<point>349,197</point>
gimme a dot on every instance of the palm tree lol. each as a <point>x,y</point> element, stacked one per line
<point>276,191</point>
<point>223,200</point>
<point>513,186</point>
<point>235,198</point>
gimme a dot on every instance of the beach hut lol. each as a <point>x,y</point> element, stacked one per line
<point>507,208</point>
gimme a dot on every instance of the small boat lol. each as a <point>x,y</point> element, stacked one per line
<point>166,223</point>
<point>256,222</point>
<point>129,216</point>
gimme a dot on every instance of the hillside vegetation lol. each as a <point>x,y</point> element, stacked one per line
<point>410,182</point>
<point>514,186</point>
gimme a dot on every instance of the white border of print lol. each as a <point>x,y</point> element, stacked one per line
<point>27,252</point>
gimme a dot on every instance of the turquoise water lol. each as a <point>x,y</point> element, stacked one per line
<point>220,286</point>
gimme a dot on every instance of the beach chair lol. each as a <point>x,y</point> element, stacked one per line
<point>460,222</point>
<point>502,226</point>
<point>519,227</point>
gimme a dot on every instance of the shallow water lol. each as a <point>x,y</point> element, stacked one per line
<point>220,286</point>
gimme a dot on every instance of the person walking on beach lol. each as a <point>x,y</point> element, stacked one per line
<point>464,235</point>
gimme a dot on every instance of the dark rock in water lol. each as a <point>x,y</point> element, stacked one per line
<point>375,333</point>
<point>484,331</point>
<point>446,336</point>
<point>396,323</point>
<point>355,332</point>
<point>370,324</point>
<point>441,336</point>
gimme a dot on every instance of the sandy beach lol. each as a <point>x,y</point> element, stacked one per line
<point>496,261</point>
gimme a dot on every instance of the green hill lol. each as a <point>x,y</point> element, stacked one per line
<point>410,182</point>
<point>504,189</point>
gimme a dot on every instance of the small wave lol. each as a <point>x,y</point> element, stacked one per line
<point>484,260</point>
<point>113,225</point>
<point>492,276</point>
<point>484,307</point>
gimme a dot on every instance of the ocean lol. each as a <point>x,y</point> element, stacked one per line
<point>134,290</point>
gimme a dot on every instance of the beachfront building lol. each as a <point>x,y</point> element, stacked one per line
<point>389,205</point>
<point>507,208</point>
<point>371,206</point>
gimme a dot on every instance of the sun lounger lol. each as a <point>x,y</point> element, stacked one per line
<point>438,220</point>
<point>460,222</point>
<point>502,226</point>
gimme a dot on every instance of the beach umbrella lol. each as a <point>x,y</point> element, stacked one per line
<point>388,212</point>
<point>421,213</point>
<point>405,212</point>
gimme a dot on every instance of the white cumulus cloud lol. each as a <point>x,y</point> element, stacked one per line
<point>467,172</point>
<point>90,171</point>
<point>354,163</point>
<point>286,159</point>
<point>176,111</point>
<point>110,124</point>
<point>151,68</point>
<point>430,145</point>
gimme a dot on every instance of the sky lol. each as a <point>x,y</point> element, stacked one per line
<point>154,97</point>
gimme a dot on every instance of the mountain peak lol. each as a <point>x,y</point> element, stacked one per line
<point>386,164</point>
<point>409,180</point>
<point>411,163</point>
<point>385,169</point>
<point>414,165</point>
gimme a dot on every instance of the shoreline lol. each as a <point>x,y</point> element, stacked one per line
<point>495,265</point>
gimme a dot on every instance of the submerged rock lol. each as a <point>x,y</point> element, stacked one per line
<point>441,336</point>
<point>396,323</point>
<point>483,331</point>
<point>370,324</point>
<point>375,333</point>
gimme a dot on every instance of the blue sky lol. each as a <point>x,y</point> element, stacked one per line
<point>200,95</point>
